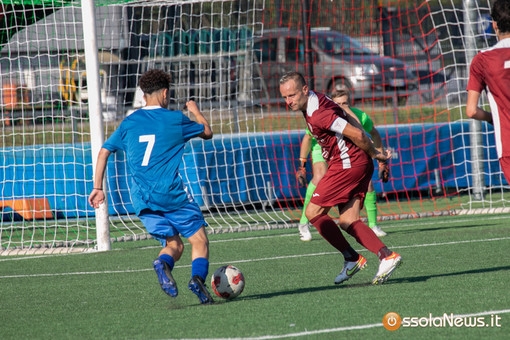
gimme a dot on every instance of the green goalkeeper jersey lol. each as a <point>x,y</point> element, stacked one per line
<point>365,121</point>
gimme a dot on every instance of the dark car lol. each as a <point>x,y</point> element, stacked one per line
<point>337,59</point>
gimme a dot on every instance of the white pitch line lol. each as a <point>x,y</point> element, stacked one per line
<point>389,225</point>
<point>305,333</point>
<point>386,226</point>
<point>249,260</point>
<point>346,328</point>
<point>8,259</point>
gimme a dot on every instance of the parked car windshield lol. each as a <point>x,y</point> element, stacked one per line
<point>339,44</point>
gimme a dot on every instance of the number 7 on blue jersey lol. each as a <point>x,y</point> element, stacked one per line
<point>150,140</point>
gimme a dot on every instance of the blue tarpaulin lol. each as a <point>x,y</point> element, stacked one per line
<point>243,168</point>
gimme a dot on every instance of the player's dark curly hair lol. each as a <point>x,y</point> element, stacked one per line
<point>154,80</point>
<point>501,15</point>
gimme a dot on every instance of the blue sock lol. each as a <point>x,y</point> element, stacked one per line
<point>168,259</point>
<point>200,267</point>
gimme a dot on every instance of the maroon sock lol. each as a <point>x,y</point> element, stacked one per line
<point>384,252</point>
<point>365,236</point>
<point>329,230</point>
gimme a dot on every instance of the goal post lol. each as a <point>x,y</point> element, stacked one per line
<point>95,114</point>
<point>66,88</point>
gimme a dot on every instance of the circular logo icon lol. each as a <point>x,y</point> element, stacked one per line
<point>391,321</point>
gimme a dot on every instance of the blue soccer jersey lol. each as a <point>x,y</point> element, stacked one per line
<point>153,139</point>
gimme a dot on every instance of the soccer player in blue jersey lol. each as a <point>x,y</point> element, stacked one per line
<point>153,139</point>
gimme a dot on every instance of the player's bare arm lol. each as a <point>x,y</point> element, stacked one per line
<point>351,117</point>
<point>376,138</point>
<point>97,195</point>
<point>354,120</point>
<point>384,169</point>
<point>473,110</point>
<point>306,146</point>
<point>199,117</point>
<point>348,110</point>
<point>359,137</point>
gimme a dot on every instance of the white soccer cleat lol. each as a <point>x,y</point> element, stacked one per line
<point>378,231</point>
<point>304,232</point>
<point>351,268</point>
<point>386,268</point>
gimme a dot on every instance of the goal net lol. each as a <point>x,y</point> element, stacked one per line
<point>406,64</point>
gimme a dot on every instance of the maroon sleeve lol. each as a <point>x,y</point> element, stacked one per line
<point>476,80</point>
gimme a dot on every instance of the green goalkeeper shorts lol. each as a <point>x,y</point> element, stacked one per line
<point>316,152</point>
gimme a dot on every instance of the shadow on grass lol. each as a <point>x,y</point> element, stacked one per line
<point>302,290</point>
<point>367,284</point>
<point>442,228</point>
<point>424,278</point>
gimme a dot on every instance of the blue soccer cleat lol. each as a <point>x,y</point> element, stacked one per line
<point>166,280</point>
<point>196,285</point>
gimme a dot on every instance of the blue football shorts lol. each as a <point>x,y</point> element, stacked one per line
<point>185,221</point>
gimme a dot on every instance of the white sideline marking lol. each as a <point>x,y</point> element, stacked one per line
<point>485,219</point>
<point>386,226</point>
<point>348,328</point>
<point>250,260</point>
<point>305,333</point>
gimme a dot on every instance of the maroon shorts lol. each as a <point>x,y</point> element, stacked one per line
<point>505,166</point>
<point>339,186</point>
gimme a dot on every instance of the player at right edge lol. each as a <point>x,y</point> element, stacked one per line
<point>490,71</point>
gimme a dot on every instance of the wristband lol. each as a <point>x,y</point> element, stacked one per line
<point>302,161</point>
<point>98,189</point>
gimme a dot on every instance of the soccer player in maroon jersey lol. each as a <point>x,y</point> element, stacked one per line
<point>490,71</point>
<point>349,152</point>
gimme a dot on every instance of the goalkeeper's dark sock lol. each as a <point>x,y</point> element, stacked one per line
<point>200,267</point>
<point>168,259</point>
<point>365,236</point>
<point>309,192</point>
<point>371,206</point>
<point>329,230</point>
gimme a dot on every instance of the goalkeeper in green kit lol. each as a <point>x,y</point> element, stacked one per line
<point>341,97</point>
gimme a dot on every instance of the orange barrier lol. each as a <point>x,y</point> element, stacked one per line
<point>10,95</point>
<point>29,208</point>
<point>9,99</point>
<point>13,98</point>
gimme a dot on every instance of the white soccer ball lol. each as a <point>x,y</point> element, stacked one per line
<point>227,282</point>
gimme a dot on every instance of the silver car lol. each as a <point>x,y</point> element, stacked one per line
<point>337,59</point>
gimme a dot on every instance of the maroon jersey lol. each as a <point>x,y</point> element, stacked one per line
<point>490,71</point>
<point>326,122</point>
